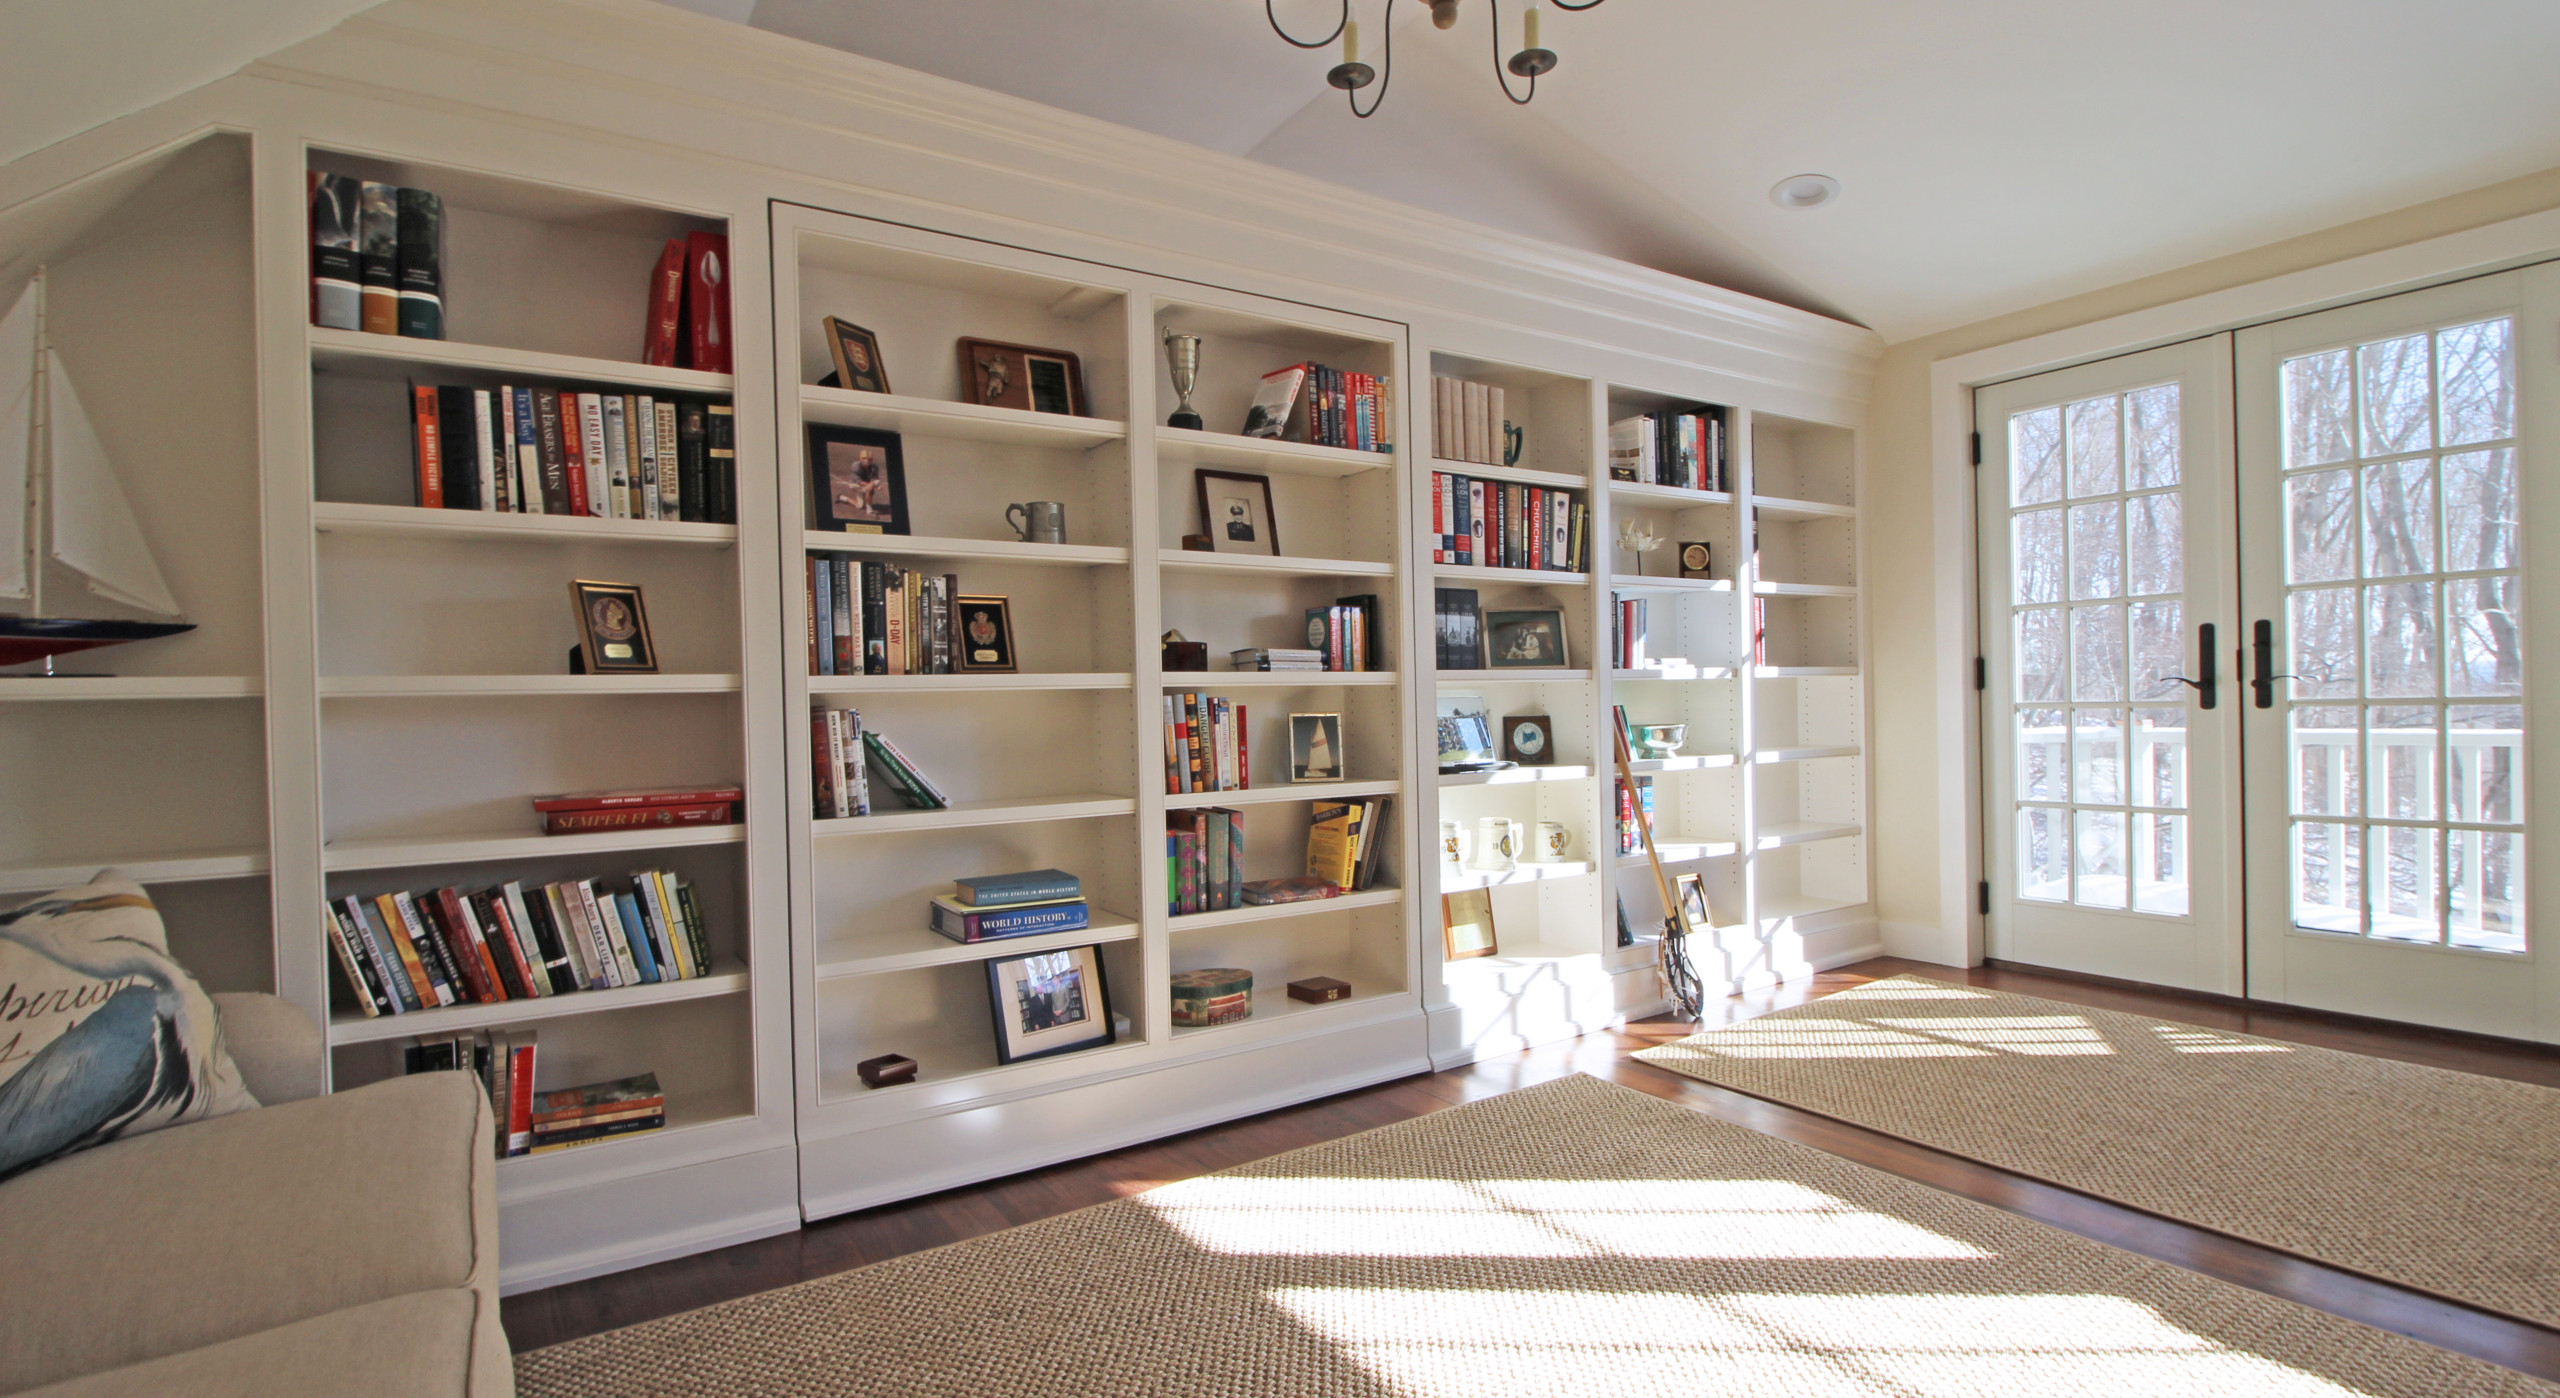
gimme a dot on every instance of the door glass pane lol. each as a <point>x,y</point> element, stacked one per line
<point>2159,857</point>
<point>2325,642</point>
<point>2320,520</point>
<point>2159,649</point>
<point>2097,551</point>
<point>2479,382</point>
<point>2035,457</point>
<point>2040,655</point>
<point>2036,555</point>
<point>2400,761</point>
<point>2400,641</point>
<point>2487,632</point>
<point>2480,511</point>
<point>2159,758</point>
<point>2098,848</point>
<point>2484,889</point>
<point>2404,864</point>
<point>2044,854</point>
<point>2319,403</point>
<point>2097,757</point>
<point>2044,756</point>
<point>2391,378</point>
<point>2399,519</point>
<point>2097,654</point>
<point>2095,428</point>
<point>2484,747</point>
<point>2151,437</point>
<point>2326,765</point>
<point>2155,545</point>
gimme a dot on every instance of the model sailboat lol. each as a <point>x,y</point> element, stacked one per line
<point>67,506</point>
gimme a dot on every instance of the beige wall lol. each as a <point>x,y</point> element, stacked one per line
<point>1905,703</point>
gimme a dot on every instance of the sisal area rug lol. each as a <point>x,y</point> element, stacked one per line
<point>1570,1239</point>
<point>2447,1182</point>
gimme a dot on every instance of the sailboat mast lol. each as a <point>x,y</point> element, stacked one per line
<point>39,463</point>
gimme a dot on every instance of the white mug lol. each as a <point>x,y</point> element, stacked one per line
<point>1497,843</point>
<point>1453,841</point>
<point>1551,842</point>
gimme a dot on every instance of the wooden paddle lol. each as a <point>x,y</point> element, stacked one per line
<point>1670,950</point>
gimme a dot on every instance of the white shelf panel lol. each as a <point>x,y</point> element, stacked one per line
<point>331,517</point>
<point>726,978</point>
<point>475,849</point>
<point>37,690</point>
<point>965,814</point>
<point>908,949</point>
<point>1195,561</point>
<point>620,1157</point>
<point>394,356</point>
<point>1534,577</point>
<point>1776,507</point>
<point>968,422</point>
<point>1527,871</point>
<point>1477,470</point>
<point>1514,776</point>
<point>1229,917</point>
<point>1788,589</point>
<point>1464,678</point>
<point>1265,795</point>
<point>1640,493</point>
<point>1683,762</point>
<point>1274,1003</point>
<point>1774,908</point>
<point>1275,679</point>
<point>1803,672</point>
<point>1263,454</point>
<point>1681,849</point>
<point>1010,551</point>
<point>1767,756</point>
<point>1777,833</point>
<point>174,868</point>
<point>938,684</point>
<point>1513,956</point>
<point>1633,582</point>
<point>1677,672</point>
<point>515,686</point>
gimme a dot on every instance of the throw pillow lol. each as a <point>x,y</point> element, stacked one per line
<point>102,1035</point>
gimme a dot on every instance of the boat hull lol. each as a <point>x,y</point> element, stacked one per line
<point>24,639</point>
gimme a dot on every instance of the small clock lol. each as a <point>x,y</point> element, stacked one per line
<point>1528,739</point>
<point>1694,559</point>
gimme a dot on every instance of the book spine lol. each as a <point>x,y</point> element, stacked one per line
<point>839,739</point>
<point>644,478</point>
<point>625,912</point>
<point>639,818</point>
<point>461,462</point>
<point>484,447</point>
<point>548,1141</point>
<point>720,460</point>
<point>695,930</point>
<point>443,911</point>
<point>441,969</point>
<point>689,445</point>
<point>670,494</point>
<point>360,982</point>
<point>488,912</point>
<point>520,1054</point>
<point>995,926</point>
<point>426,446</point>
<point>378,256</point>
<point>397,990</point>
<point>532,496</point>
<point>611,950</point>
<point>508,900</point>
<point>822,620</point>
<point>421,232</point>
<point>568,925</point>
<point>591,451</point>
<point>502,446</point>
<point>663,925</point>
<point>563,489</point>
<point>666,307</point>
<point>707,300</point>
<point>337,284</point>
<point>1215,846</point>
<point>617,456</point>
<point>1002,893</point>
<point>408,978</point>
<point>848,637</point>
<point>1244,748</point>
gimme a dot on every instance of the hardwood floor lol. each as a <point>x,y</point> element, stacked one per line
<point>540,1318</point>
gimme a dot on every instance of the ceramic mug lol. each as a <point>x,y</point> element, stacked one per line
<point>1042,522</point>
<point>1551,842</point>
<point>1454,843</point>
<point>1497,842</point>
<point>1515,439</point>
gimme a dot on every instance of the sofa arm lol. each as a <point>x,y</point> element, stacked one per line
<point>276,1045</point>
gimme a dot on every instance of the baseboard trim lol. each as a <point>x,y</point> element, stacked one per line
<point>657,1247</point>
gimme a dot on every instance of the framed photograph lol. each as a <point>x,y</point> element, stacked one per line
<point>1466,734</point>
<point>1525,640</point>
<point>1315,748</point>
<point>1466,924</point>
<point>986,635</point>
<point>1236,511</point>
<point>1049,1002</point>
<point>613,625</point>
<point>1035,380</point>
<point>1528,739</point>
<point>1691,892</point>
<point>857,356</point>
<point>858,480</point>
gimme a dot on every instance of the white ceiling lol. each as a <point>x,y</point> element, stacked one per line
<point>1995,154</point>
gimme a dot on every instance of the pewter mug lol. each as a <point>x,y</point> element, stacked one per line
<point>1042,522</point>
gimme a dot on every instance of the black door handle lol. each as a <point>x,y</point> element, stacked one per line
<point>2203,683</point>
<point>2262,663</point>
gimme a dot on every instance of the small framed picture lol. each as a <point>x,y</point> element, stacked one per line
<point>1528,739</point>
<point>1466,924</point>
<point>1236,511</point>
<point>613,625</point>
<point>1315,748</point>
<point>857,356</point>
<point>1691,892</point>
<point>986,635</point>
<point>858,480</point>
<point>1525,640</point>
<point>1466,733</point>
<point>1697,560</point>
<point>1049,1002</point>
<point>998,375</point>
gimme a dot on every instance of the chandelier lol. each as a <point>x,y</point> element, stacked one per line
<point>1351,74</point>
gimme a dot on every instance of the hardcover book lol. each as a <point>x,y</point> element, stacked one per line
<point>1004,890</point>
<point>653,796</point>
<point>337,284</point>
<point>707,300</point>
<point>640,1090</point>
<point>963,923</point>
<point>666,307</point>
<point>378,256</point>
<point>421,266</point>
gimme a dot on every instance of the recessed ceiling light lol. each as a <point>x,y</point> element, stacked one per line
<point>1804,191</point>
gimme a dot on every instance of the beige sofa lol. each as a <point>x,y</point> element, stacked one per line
<point>345,1244</point>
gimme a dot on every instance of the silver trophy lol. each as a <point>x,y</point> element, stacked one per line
<point>1182,356</point>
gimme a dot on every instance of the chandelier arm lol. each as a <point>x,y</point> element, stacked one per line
<point>1586,5</point>
<point>1386,60</point>
<point>1273,16</point>
<point>1496,31</point>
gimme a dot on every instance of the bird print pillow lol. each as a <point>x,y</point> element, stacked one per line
<point>102,1035</point>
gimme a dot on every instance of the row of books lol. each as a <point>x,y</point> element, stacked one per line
<point>1467,422</point>
<point>1630,834</point>
<point>1630,635</point>
<point>1329,407</point>
<point>532,1122</point>
<point>992,907</point>
<point>1345,841</point>
<point>842,756</point>
<point>1684,449</point>
<point>587,812</point>
<point>878,618</point>
<point>403,950</point>
<point>1207,745</point>
<point>1204,860</point>
<point>546,451</point>
<point>1499,524</point>
<point>377,257</point>
<point>1346,634</point>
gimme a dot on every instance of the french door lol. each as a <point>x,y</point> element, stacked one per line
<point>2110,723</point>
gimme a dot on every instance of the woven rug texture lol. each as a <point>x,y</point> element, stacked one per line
<point>1569,1239</point>
<point>2448,1182</point>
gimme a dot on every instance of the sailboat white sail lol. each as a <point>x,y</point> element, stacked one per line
<point>17,442</point>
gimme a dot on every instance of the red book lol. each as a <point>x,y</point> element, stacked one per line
<point>638,818</point>
<point>706,305</point>
<point>428,440</point>
<point>1244,751</point>
<point>573,455</point>
<point>666,307</point>
<point>490,905</point>
<point>520,1097</point>
<point>444,919</point>
<point>662,796</point>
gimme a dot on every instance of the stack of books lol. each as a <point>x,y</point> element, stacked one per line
<point>1275,658</point>
<point>1344,840</point>
<point>1499,524</point>
<point>1630,833</point>
<point>544,451</point>
<point>579,1116</point>
<point>377,257</point>
<point>503,1061</point>
<point>1467,421</point>
<point>878,618</point>
<point>404,951</point>
<point>1204,860</point>
<point>1683,449</point>
<point>1328,407</point>
<point>1298,888</point>
<point>992,907</point>
<point>1205,745</point>
<point>586,812</point>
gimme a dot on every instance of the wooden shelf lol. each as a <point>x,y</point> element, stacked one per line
<point>1514,776</point>
<point>1007,551</point>
<point>1804,672</point>
<point>912,948</point>
<point>1775,834</point>
<point>1532,577</point>
<point>398,356</point>
<point>1788,589</point>
<point>339,855</point>
<point>1767,756</point>
<point>1229,917</point>
<point>173,868</point>
<point>331,517</point>
<point>516,686</point>
<point>1263,454</point>
<point>1275,679</point>
<point>1777,507</point>
<point>1631,582</point>
<point>1266,795</point>
<point>1676,672</point>
<point>1463,678</point>
<point>1478,470</point>
<point>1682,849</point>
<point>1640,493</point>
<point>1527,871</point>
<point>1682,762</point>
<point>1194,561</point>
<point>943,684</point>
<point>964,814</point>
<point>967,422</point>
<point>727,978</point>
<point>32,689</point>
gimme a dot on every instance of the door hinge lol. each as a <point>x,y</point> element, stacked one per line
<point>1981,673</point>
<point>1977,448</point>
<point>1985,887</point>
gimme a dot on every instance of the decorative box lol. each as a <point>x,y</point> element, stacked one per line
<point>1186,655</point>
<point>1217,995</point>
<point>888,1070</point>
<point>1319,990</point>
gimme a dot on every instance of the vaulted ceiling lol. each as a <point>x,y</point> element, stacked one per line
<point>1993,154</point>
